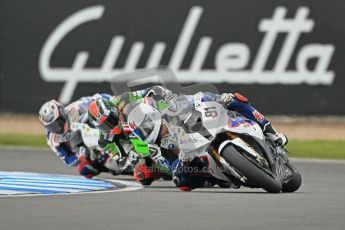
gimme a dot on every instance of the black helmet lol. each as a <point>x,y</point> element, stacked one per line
<point>105,116</point>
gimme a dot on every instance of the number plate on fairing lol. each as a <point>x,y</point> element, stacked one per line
<point>214,116</point>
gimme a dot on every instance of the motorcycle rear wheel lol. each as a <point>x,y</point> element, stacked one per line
<point>252,172</point>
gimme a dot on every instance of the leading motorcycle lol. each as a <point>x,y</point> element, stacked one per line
<point>235,148</point>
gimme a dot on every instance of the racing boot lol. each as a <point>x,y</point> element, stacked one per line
<point>278,138</point>
<point>145,175</point>
<point>187,182</point>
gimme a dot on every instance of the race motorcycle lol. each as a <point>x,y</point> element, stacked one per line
<point>235,148</point>
<point>150,158</point>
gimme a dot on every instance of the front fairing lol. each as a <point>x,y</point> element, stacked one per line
<point>241,125</point>
<point>215,119</point>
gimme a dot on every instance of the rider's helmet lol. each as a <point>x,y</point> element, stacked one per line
<point>105,116</point>
<point>145,121</point>
<point>53,116</point>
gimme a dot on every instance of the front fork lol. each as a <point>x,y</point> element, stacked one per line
<point>229,171</point>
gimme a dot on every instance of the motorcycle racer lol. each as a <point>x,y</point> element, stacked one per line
<point>114,137</point>
<point>238,103</point>
<point>110,117</point>
<point>169,104</point>
<point>68,144</point>
<point>152,129</point>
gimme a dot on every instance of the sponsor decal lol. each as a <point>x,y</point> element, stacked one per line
<point>258,116</point>
<point>231,60</point>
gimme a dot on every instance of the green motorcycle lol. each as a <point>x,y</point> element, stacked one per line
<point>150,165</point>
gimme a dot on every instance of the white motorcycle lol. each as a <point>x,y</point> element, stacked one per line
<point>235,147</point>
<point>148,156</point>
<point>90,137</point>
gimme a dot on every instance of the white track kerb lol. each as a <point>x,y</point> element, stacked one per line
<point>13,184</point>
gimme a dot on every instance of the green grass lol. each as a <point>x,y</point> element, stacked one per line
<point>303,149</point>
<point>317,149</point>
<point>10,139</point>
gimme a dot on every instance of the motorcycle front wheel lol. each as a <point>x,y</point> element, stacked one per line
<point>294,181</point>
<point>253,173</point>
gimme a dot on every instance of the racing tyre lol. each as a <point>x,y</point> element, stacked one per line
<point>253,173</point>
<point>294,182</point>
<point>167,177</point>
<point>147,181</point>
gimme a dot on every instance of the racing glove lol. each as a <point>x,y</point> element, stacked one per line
<point>132,159</point>
<point>225,98</point>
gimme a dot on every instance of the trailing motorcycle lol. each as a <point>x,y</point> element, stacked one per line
<point>150,165</point>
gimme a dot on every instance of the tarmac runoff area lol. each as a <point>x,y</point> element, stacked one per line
<point>319,204</point>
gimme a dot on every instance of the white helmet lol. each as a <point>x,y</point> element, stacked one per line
<point>53,116</point>
<point>145,122</point>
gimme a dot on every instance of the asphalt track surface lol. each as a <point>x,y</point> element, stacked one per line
<point>319,204</point>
